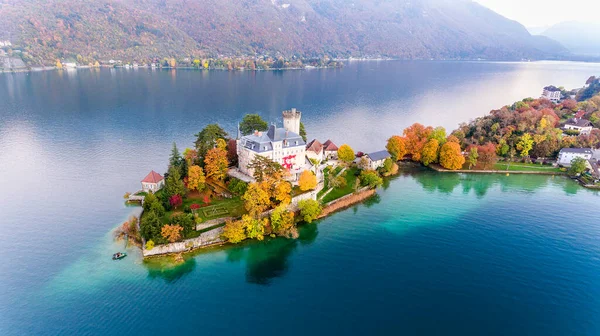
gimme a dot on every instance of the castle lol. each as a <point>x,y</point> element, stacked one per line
<point>282,145</point>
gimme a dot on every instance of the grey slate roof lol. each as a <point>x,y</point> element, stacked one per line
<point>381,155</point>
<point>576,150</point>
<point>264,141</point>
<point>578,122</point>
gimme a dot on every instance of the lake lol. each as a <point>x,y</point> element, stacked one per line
<point>430,254</point>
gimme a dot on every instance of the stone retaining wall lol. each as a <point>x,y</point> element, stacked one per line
<point>205,239</point>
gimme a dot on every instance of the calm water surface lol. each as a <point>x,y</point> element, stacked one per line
<point>431,254</point>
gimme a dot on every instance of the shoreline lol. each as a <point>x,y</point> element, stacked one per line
<point>438,168</point>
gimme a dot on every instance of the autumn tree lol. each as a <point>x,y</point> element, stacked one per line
<point>451,157</point>
<point>416,136</point>
<point>307,180</point>
<point>196,178</point>
<point>265,168</point>
<point>251,123</point>
<point>396,146</point>
<point>309,209</point>
<point>282,222</point>
<point>172,233</point>
<point>439,134</point>
<point>525,144</point>
<point>473,156</point>
<point>256,199</point>
<point>207,139</point>
<point>234,231</point>
<point>429,154</point>
<point>190,155</point>
<point>255,226</point>
<point>345,153</point>
<point>486,155</point>
<point>215,164</point>
<point>232,155</point>
<point>175,201</point>
<point>282,192</point>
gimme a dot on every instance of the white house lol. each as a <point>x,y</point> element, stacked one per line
<point>314,150</point>
<point>330,150</point>
<point>567,154</point>
<point>282,145</point>
<point>153,182</point>
<point>578,124</point>
<point>376,159</point>
<point>70,65</point>
<point>551,93</point>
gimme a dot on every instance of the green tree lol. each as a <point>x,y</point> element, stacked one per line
<point>174,185</point>
<point>578,166</point>
<point>175,158</point>
<point>346,153</point>
<point>150,226</point>
<point>439,134</point>
<point>302,131</point>
<point>473,156</point>
<point>370,178</point>
<point>388,164</point>
<point>282,221</point>
<point>309,209</point>
<point>207,139</point>
<point>251,123</point>
<point>186,221</point>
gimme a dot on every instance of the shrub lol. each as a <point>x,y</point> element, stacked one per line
<point>370,178</point>
<point>149,245</point>
<point>309,209</point>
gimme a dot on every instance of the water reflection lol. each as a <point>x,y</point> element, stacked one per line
<point>164,268</point>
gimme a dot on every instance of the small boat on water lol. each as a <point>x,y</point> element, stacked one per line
<point>119,255</point>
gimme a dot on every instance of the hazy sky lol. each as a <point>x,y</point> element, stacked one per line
<point>534,13</point>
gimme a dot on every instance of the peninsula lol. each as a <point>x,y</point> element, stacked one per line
<point>268,178</point>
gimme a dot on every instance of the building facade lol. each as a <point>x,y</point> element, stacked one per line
<point>153,182</point>
<point>566,155</point>
<point>582,125</point>
<point>552,93</point>
<point>376,159</point>
<point>281,145</point>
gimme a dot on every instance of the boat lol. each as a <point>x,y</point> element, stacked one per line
<point>119,255</point>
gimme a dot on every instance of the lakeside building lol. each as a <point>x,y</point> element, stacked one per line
<point>153,182</point>
<point>282,145</point>
<point>566,155</point>
<point>376,159</point>
<point>578,124</point>
<point>552,93</point>
<point>321,151</point>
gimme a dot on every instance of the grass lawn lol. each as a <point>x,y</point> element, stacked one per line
<point>223,207</point>
<point>514,166</point>
<point>339,192</point>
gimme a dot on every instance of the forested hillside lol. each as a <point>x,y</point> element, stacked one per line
<point>139,30</point>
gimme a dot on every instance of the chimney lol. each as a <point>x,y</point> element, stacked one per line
<point>256,132</point>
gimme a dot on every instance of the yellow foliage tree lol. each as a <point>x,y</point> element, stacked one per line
<point>283,192</point>
<point>59,64</point>
<point>430,152</point>
<point>172,62</point>
<point>396,146</point>
<point>221,144</point>
<point>307,180</point>
<point>346,153</point>
<point>234,231</point>
<point>255,227</point>
<point>216,164</point>
<point>451,157</point>
<point>196,179</point>
<point>172,233</point>
<point>256,199</point>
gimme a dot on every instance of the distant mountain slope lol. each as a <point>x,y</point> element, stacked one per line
<point>579,37</point>
<point>143,29</point>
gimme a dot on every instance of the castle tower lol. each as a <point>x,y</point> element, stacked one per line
<point>291,120</point>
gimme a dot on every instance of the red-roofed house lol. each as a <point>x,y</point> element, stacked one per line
<point>314,150</point>
<point>153,182</point>
<point>330,150</point>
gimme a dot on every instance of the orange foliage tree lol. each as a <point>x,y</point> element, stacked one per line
<point>172,233</point>
<point>307,180</point>
<point>216,164</point>
<point>396,146</point>
<point>416,136</point>
<point>282,192</point>
<point>196,178</point>
<point>451,157</point>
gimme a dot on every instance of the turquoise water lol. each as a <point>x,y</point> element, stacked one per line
<point>430,254</point>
